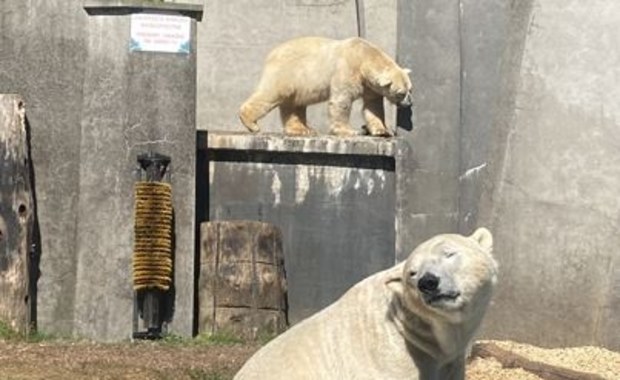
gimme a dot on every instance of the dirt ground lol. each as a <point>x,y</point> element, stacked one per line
<point>136,361</point>
<point>164,360</point>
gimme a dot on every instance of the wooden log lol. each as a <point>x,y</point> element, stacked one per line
<point>509,359</point>
<point>16,213</point>
<point>242,289</point>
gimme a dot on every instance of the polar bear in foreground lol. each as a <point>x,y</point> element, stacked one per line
<point>412,321</point>
<point>310,70</point>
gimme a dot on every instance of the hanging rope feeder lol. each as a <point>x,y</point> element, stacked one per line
<point>152,262</point>
<point>152,256</point>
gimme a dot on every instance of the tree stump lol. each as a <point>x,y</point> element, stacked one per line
<point>16,213</point>
<point>242,286</point>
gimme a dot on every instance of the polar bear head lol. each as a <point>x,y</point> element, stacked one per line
<point>449,277</point>
<point>395,85</point>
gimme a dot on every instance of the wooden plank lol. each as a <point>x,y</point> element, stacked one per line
<point>509,359</point>
<point>16,213</point>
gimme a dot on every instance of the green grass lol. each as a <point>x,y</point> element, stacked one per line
<point>8,333</point>
<point>221,338</point>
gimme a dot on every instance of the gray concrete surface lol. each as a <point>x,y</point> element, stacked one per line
<point>428,43</point>
<point>553,202</point>
<point>42,57</point>
<point>133,102</point>
<point>313,198</point>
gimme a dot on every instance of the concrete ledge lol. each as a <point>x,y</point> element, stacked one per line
<point>325,144</point>
<point>130,6</point>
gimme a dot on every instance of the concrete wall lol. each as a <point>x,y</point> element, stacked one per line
<point>133,102</point>
<point>42,57</point>
<point>551,192</point>
<point>311,189</point>
<point>428,43</point>
<point>514,129</point>
<point>91,108</point>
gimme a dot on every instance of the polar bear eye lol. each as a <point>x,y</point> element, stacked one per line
<point>450,254</point>
<point>412,273</point>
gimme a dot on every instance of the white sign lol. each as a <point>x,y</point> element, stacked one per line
<point>160,33</point>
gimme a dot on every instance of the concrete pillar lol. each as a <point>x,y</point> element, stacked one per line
<point>428,43</point>
<point>133,102</point>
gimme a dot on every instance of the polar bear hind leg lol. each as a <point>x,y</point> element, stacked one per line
<point>257,106</point>
<point>294,120</point>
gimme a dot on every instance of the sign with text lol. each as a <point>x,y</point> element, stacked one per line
<point>160,33</point>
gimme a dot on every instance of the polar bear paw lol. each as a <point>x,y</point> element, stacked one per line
<point>343,130</point>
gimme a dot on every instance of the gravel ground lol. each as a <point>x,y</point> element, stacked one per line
<point>592,360</point>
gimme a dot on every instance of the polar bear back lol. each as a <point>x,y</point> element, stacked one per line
<point>294,70</point>
<point>351,339</point>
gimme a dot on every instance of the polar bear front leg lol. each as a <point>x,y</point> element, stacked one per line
<point>374,115</point>
<point>255,108</point>
<point>339,114</point>
<point>294,121</point>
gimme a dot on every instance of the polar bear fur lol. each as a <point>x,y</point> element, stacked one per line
<point>385,327</point>
<point>310,70</point>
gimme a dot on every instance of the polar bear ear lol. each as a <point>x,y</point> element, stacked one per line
<point>407,71</point>
<point>483,237</point>
<point>395,284</point>
<point>384,79</point>
<point>394,280</point>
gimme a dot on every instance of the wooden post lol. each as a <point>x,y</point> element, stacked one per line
<point>242,284</point>
<point>545,371</point>
<point>16,213</point>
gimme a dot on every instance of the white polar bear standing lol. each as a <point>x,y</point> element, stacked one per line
<point>412,321</point>
<point>310,70</point>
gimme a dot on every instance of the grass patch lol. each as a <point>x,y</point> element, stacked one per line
<point>7,332</point>
<point>221,338</point>
<point>10,334</point>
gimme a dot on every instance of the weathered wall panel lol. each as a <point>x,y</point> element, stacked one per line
<point>336,210</point>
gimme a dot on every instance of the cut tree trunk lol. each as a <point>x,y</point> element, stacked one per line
<point>509,359</point>
<point>16,213</point>
<point>242,288</point>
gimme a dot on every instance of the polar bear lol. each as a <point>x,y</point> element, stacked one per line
<point>310,70</point>
<point>412,321</point>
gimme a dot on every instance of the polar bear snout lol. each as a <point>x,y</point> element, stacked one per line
<point>407,102</point>
<point>429,283</point>
<point>437,292</point>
